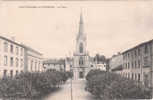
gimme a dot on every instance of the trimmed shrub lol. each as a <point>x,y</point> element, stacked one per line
<point>106,85</point>
<point>29,85</point>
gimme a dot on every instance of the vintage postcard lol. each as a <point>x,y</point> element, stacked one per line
<point>76,49</point>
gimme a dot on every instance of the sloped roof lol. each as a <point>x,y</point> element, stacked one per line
<point>20,44</point>
<point>31,49</point>
<point>9,40</point>
<point>138,45</point>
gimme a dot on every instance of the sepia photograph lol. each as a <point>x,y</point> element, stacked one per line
<point>76,49</point>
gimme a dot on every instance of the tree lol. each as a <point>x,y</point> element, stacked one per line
<point>107,86</point>
<point>99,58</point>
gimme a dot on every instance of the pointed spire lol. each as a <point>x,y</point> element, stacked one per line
<point>81,18</point>
<point>81,24</point>
<point>81,27</point>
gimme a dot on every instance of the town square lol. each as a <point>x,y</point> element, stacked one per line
<point>98,50</point>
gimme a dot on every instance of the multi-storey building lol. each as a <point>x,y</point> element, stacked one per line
<point>115,63</point>
<point>137,63</point>
<point>58,65</point>
<point>12,57</point>
<point>98,62</point>
<point>100,65</point>
<point>33,60</point>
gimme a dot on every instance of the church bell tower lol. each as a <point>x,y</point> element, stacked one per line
<point>81,58</point>
<point>81,38</point>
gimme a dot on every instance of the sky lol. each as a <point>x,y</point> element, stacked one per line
<point>51,27</point>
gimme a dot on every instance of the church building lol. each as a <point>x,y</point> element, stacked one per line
<point>81,63</point>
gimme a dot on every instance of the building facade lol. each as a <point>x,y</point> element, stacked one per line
<point>58,65</point>
<point>137,63</point>
<point>115,63</point>
<point>99,65</point>
<point>81,65</point>
<point>33,60</point>
<point>12,57</point>
<point>99,62</point>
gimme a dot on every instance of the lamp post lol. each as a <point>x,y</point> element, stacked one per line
<point>71,87</point>
<point>71,76</point>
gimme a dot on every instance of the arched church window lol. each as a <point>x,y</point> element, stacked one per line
<point>81,47</point>
<point>81,61</point>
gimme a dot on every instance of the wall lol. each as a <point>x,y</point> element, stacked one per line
<point>10,54</point>
<point>138,63</point>
<point>116,61</point>
<point>34,61</point>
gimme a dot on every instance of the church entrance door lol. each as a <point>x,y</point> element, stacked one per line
<point>81,75</point>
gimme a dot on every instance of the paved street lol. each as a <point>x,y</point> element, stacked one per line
<point>65,93</point>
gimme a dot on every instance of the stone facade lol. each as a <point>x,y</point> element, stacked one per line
<point>137,63</point>
<point>58,65</point>
<point>115,63</point>
<point>33,60</point>
<point>99,65</point>
<point>81,65</point>
<point>14,57</point>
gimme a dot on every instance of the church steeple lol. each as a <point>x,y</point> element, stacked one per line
<point>81,64</point>
<point>81,18</point>
<point>81,28</point>
<point>81,38</point>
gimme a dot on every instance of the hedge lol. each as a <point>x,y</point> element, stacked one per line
<point>30,85</point>
<point>106,86</point>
